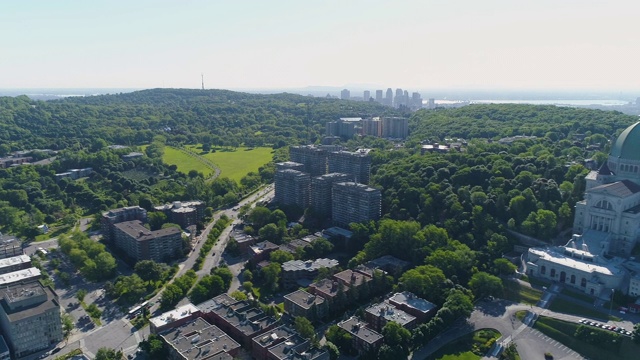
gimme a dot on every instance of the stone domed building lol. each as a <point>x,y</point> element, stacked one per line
<point>607,227</point>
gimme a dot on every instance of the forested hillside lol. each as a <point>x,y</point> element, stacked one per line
<point>217,117</point>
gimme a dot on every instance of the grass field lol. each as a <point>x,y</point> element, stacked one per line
<point>237,163</point>
<point>184,162</point>
<point>233,164</point>
<point>562,331</point>
<point>462,349</point>
<point>569,307</point>
<point>515,292</point>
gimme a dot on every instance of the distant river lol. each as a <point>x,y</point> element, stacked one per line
<point>555,102</point>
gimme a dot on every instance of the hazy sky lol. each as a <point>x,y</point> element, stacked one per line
<point>555,44</point>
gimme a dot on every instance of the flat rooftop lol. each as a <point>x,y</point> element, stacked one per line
<point>17,293</point>
<point>284,349</point>
<point>309,265</point>
<point>390,313</point>
<point>270,337</point>
<point>359,329</point>
<point>14,260</point>
<point>216,303</point>
<point>352,277</point>
<point>173,315</point>
<point>140,233</point>
<point>411,300</point>
<point>304,299</point>
<point>199,340</point>
<point>31,273</point>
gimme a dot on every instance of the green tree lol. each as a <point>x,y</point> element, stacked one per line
<point>67,325</point>
<point>271,232</point>
<point>271,274</point>
<point>503,266</point>
<point>332,349</point>
<point>108,354</point>
<point>238,295</point>
<point>483,284</point>
<point>80,294</point>
<point>424,281</point>
<point>304,327</point>
<point>149,270</point>
<point>106,265</point>
<point>395,335</point>
<point>280,256</point>
<point>157,219</point>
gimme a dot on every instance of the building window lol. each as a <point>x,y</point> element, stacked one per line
<point>553,273</point>
<point>543,270</point>
<point>583,282</point>
<point>573,279</point>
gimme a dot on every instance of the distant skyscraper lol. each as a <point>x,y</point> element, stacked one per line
<point>397,101</point>
<point>416,101</point>
<point>431,104</point>
<point>345,94</point>
<point>366,95</point>
<point>379,98</point>
<point>389,97</point>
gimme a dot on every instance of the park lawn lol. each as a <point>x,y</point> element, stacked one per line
<point>562,331</point>
<point>516,292</point>
<point>461,349</point>
<point>184,162</point>
<point>569,307</point>
<point>235,164</point>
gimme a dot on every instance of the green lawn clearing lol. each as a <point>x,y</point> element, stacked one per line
<point>468,347</point>
<point>185,162</point>
<point>569,307</point>
<point>236,163</point>
<point>562,331</point>
<point>516,292</point>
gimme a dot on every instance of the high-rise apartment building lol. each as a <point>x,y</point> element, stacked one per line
<point>321,196</point>
<point>345,94</point>
<point>292,187</point>
<point>367,95</point>
<point>372,127</point>
<point>395,127</point>
<point>416,101</point>
<point>313,158</point>
<point>289,165</point>
<point>29,318</point>
<point>356,163</point>
<point>353,202</point>
<point>112,217</point>
<point>141,243</point>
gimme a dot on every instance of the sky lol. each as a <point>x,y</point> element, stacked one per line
<point>266,44</point>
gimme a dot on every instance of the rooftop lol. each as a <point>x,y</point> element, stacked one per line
<point>248,322</point>
<point>31,273</point>
<point>390,313</point>
<point>286,348</point>
<point>263,246</point>
<point>140,233</point>
<point>326,286</point>
<point>352,277</point>
<point>304,299</point>
<point>22,301</point>
<point>216,303</point>
<point>173,315</point>
<point>309,265</point>
<point>359,329</point>
<point>412,301</point>
<point>199,340</point>
<point>336,231</point>
<point>355,185</point>
<point>561,259</point>
<point>270,337</point>
<point>15,260</point>
<point>619,189</point>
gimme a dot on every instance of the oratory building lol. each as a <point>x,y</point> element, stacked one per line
<point>608,223</point>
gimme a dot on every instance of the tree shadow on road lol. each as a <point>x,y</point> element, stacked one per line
<point>492,307</point>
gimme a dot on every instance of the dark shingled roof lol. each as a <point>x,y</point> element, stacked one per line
<point>604,169</point>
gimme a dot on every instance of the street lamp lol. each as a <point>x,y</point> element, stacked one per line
<point>611,302</point>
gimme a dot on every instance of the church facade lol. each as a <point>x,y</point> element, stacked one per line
<point>608,223</point>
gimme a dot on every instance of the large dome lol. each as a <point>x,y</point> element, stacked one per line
<point>627,146</point>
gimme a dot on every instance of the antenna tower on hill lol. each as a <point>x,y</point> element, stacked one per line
<point>202,76</point>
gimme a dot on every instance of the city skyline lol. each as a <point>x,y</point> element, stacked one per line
<point>286,44</point>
